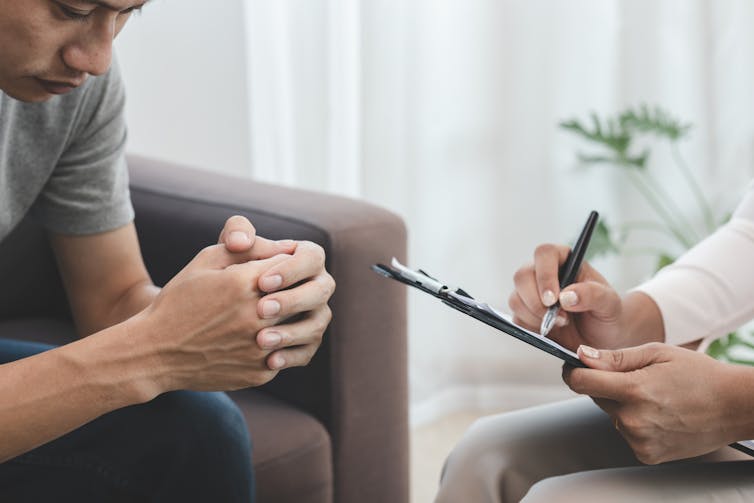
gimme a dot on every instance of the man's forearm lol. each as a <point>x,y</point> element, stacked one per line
<point>132,301</point>
<point>47,395</point>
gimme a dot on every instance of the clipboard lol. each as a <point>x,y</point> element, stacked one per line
<point>461,301</point>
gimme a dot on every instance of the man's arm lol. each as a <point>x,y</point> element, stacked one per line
<point>50,394</point>
<point>206,330</point>
<point>197,334</point>
<point>104,276</point>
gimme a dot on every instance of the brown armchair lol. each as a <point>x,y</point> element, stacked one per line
<point>336,430</point>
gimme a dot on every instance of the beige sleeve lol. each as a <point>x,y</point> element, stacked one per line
<point>709,291</point>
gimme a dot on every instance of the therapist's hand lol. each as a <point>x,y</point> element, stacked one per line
<point>668,402</point>
<point>590,308</point>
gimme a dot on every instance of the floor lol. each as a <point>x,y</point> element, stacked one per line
<point>430,445</point>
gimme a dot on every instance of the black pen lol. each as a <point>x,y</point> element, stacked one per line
<point>570,269</point>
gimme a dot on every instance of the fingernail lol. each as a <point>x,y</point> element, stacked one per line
<point>569,298</point>
<point>589,352</point>
<point>239,238</point>
<point>561,321</point>
<point>269,283</point>
<point>271,339</point>
<point>548,298</point>
<point>270,308</point>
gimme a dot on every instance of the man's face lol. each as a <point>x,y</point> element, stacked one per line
<point>49,47</point>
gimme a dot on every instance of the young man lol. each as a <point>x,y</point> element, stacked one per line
<point>218,325</point>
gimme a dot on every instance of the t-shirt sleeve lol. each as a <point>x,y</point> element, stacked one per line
<point>709,291</point>
<point>87,192</point>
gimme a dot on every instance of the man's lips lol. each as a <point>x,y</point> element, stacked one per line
<point>58,87</point>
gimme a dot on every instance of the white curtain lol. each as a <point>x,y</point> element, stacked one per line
<point>446,111</point>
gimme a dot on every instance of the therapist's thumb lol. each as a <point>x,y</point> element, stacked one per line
<point>598,299</point>
<point>621,360</point>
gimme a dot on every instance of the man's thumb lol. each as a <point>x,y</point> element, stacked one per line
<point>619,360</point>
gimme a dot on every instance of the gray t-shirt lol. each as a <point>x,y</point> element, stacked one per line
<point>63,160</point>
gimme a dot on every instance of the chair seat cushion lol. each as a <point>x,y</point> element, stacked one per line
<point>291,450</point>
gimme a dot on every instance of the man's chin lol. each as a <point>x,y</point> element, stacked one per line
<point>28,93</point>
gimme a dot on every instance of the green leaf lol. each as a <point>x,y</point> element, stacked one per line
<point>718,347</point>
<point>663,260</point>
<point>733,348</point>
<point>656,121</point>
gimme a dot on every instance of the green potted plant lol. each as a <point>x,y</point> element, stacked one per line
<point>615,141</point>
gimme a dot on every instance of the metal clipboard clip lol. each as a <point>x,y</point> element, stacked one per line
<point>422,278</point>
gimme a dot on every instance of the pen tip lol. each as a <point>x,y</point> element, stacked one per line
<point>547,323</point>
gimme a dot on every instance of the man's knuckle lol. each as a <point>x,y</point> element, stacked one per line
<point>618,357</point>
<point>237,281</point>
<point>207,251</point>
<point>319,252</point>
<point>324,290</point>
<point>260,377</point>
<point>331,285</point>
<point>321,324</point>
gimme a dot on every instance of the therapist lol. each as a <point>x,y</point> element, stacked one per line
<point>652,402</point>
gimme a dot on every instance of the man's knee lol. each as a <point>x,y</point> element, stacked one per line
<point>202,441</point>
<point>209,423</point>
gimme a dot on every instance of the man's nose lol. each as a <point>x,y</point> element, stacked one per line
<point>92,53</point>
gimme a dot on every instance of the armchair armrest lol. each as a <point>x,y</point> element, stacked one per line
<point>356,385</point>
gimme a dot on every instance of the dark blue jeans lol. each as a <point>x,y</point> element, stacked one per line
<point>183,446</point>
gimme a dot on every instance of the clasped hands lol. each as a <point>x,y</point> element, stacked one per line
<point>239,312</point>
<point>667,402</point>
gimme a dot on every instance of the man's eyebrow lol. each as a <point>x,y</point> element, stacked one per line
<point>103,3</point>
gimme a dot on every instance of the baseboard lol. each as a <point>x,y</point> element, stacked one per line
<point>485,399</point>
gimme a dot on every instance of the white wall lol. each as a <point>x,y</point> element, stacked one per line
<point>456,104</point>
<point>185,69</point>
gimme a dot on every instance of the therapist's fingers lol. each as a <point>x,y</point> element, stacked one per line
<point>521,314</point>
<point>525,283</point>
<point>627,359</point>
<point>600,300</point>
<point>547,261</point>
<point>616,414</point>
<point>611,407</point>
<point>618,386</point>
